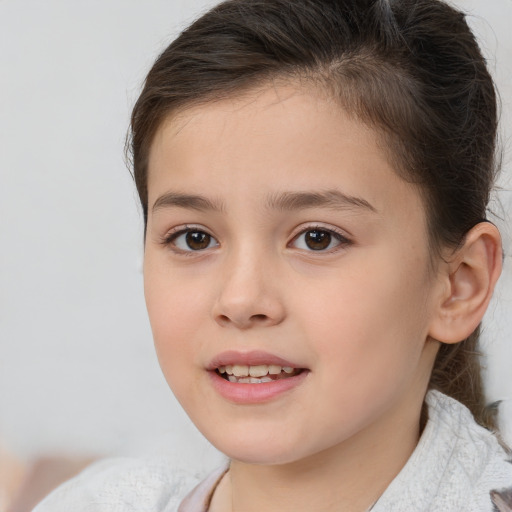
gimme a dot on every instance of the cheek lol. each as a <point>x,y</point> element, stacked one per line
<point>174,310</point>
<point>174,299</point>
<point>370,327</point>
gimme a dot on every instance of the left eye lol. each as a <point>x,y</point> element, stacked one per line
<point>318,240</point>
<point>193,240</point>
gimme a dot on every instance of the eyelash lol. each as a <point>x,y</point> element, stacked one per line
<point>340,237</point>
<point>170,238</point>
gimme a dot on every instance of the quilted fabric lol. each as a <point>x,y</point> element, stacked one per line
<point>455,466</point>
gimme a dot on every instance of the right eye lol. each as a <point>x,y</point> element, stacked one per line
<point>189,240</point>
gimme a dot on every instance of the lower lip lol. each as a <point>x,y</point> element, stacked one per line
<point>255,393</point>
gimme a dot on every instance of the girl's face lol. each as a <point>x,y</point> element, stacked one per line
<point>281,243</point>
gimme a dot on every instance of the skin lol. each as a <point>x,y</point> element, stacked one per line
<point>357,315</point>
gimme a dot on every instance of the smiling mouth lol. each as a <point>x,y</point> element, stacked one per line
<point>258,374</point>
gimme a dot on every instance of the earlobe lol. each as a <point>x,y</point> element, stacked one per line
<point>468,281</point>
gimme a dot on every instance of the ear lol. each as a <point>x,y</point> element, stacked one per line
<point>467,283</point>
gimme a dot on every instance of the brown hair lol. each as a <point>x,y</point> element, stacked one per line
<point>410,68</point>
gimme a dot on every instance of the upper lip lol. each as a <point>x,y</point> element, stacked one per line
<point>252,358</point>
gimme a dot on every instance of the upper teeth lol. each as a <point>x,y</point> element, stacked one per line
<point>242,370</point>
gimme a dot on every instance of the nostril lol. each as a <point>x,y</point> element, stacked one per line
<point>259,318</point>
<point>223,319</point>
<point>243,323</point>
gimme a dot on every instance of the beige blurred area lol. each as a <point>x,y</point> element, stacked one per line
<point>24,484</point>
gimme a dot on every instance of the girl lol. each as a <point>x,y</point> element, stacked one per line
<point>314,177</point>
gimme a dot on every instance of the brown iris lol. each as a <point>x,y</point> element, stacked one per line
<point>198,240</point>
<point>317,240</point>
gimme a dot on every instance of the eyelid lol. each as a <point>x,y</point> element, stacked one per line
<point>340,235</point>
<point>343,238</point>
<point>170,236</point>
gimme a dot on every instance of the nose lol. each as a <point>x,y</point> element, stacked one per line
<point>249,295</point>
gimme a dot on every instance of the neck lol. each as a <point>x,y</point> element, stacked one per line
<point>350,476</point>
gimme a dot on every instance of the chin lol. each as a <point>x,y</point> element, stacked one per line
<point>260,458</point>
<point>251,449</point>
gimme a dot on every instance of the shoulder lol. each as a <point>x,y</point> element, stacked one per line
<point>486,463</point>
<point>122,485</point>
<point>457,465</point>
<point>479,467</point>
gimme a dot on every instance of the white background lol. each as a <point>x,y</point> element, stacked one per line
<point>77,369</point>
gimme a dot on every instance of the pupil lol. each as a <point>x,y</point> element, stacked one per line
<point>198,240</point>
<point>318,240</point>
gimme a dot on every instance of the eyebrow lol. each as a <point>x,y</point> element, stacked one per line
<point>284,201</point>
<point>187,201</point>
<point>327,199</point>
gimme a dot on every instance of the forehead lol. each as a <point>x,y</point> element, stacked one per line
<point>274,138</point>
